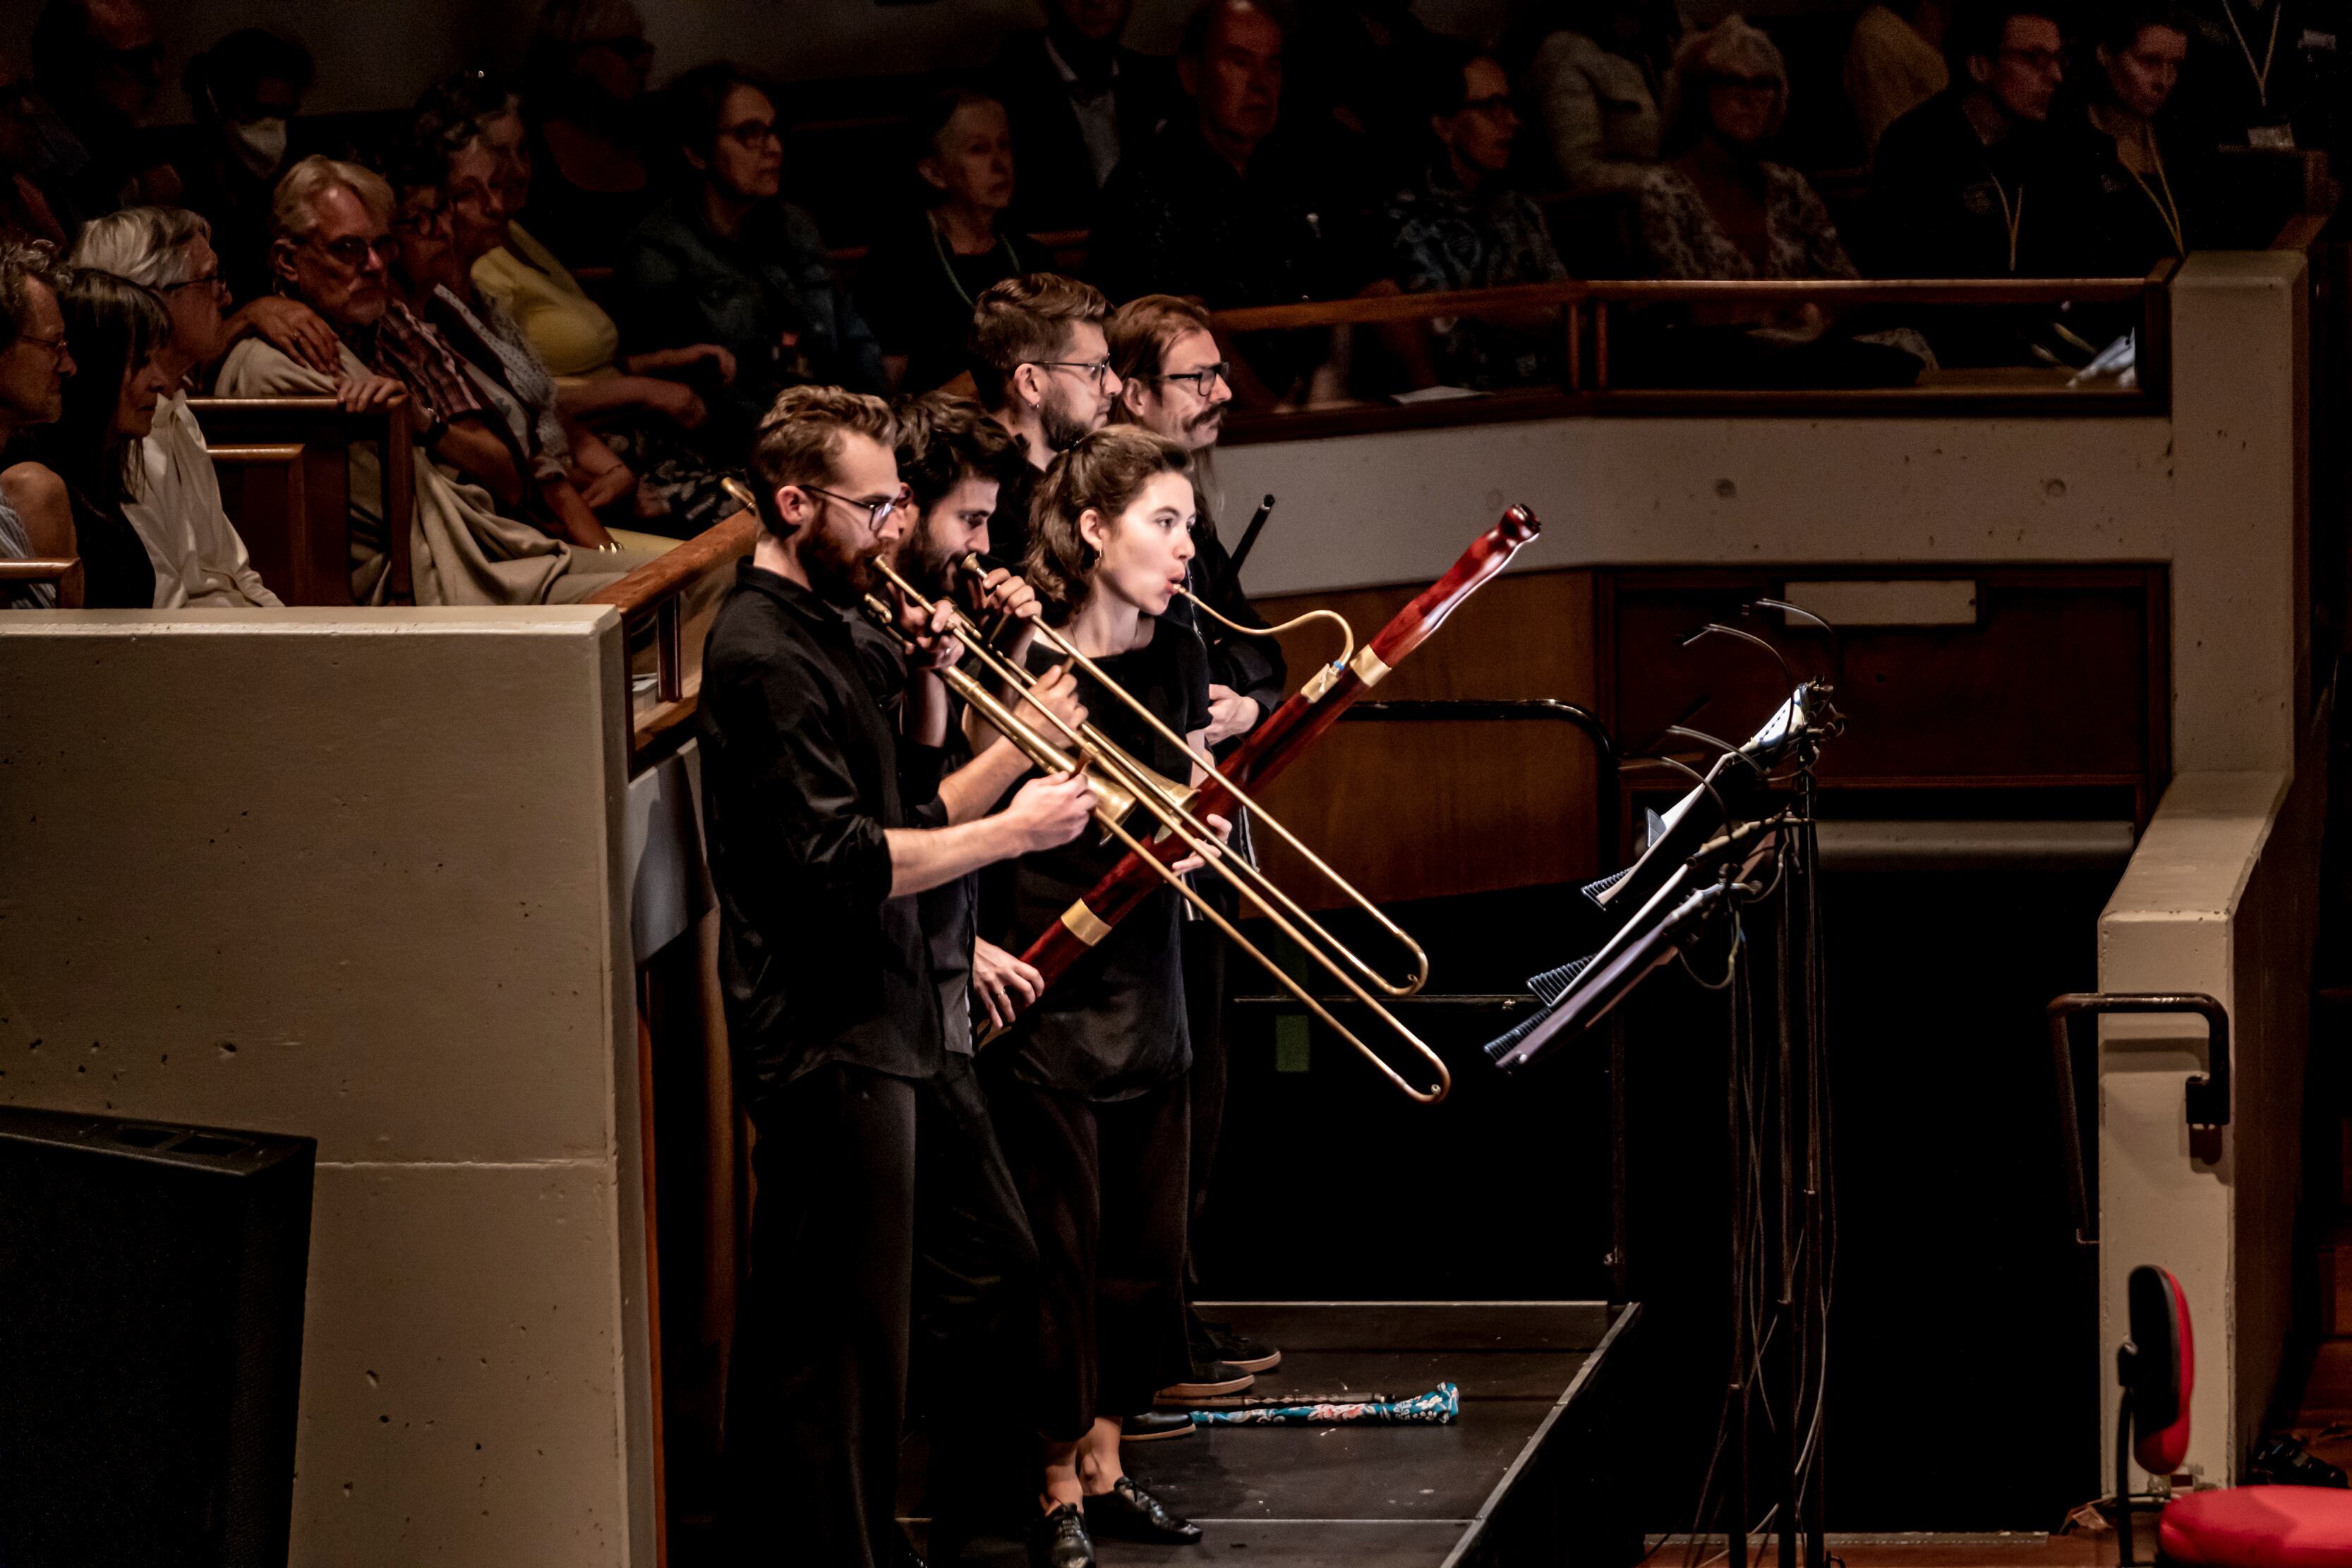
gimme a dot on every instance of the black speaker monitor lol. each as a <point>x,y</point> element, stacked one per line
<point>150,1342</point>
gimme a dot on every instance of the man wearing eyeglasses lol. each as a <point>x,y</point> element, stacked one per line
<point>35,362</point>
<point>833,1010</point>
<point>1177,384</point>
<point>1042,368</point>
<point>1979,182</point>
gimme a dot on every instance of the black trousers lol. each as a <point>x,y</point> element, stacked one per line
<point>1106,1188</point>
<point>1204,950</point>
<point>867,1185</point>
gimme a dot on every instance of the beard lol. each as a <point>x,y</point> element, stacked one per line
<point>923,561</point>
<point>839,573</point>
<point>1062,428</point>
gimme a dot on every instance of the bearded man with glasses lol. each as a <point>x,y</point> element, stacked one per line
<point>833,1010</point>
<point>1042,368</point>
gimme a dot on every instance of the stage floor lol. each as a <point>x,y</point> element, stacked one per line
<point>1397,1497</point>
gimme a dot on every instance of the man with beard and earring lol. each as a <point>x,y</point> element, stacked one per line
<point>1173,381</point>
<point>831,1004</point>
<point>1042,368</point>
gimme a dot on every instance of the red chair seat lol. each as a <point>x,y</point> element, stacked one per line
<point>2260,1527</point>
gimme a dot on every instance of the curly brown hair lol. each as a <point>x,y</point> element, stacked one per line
<point>1104,473</point>
<point>944,441</point>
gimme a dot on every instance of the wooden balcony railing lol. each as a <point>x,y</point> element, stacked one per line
<point>1593,351</point>
<point>283,465</point>
<point>665,640</point>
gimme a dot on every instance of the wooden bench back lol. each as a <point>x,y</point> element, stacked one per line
<point>283,465</point>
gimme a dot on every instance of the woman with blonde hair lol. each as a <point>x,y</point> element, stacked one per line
<point>1718,209</point>
<point>1089,1091</point>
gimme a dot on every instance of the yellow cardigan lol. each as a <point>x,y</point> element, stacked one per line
<point>571,331</point>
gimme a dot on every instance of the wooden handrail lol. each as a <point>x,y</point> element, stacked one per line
<point>38,569</point>
<point>668,575</point>
<point>1385,308</point>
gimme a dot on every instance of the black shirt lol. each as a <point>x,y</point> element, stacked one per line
<point>919,294</point>
<point>1945,205</point>
<point>950,912</point>
<point>1178,219</point>
<point>1112,1028</point>
<point>800,778</point>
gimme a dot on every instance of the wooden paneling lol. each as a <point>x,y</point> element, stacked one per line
<point>283,464</point>
<point>1416,811</point>
<point>2062,682</point>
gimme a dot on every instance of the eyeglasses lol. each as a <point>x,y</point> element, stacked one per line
<point>210,282</point>
<point>1098,371</point>
<point>752,134</point>
<point>1747,83</point>
<point>630,47</point>
<point>877,513</point>
<point>2036,59</point>
<point>56,346</point>
<point>353,252</point>
<point>1499,104</point>
<point>1220,371</point>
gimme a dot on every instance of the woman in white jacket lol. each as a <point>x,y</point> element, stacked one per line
<point>175,503</point>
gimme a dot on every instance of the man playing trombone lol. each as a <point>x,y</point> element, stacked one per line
<point>833,1011</point>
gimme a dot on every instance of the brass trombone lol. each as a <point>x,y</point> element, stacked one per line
<point>1122,783</point>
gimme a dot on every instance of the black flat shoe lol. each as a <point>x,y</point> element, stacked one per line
<point>1059,1540</point>
<point>1127,1512</point>
<point>1151,1425</point>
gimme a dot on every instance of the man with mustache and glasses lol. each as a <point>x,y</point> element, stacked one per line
<point>1174,381</point>
<point>831,1008</point>
<point>1042,368</point>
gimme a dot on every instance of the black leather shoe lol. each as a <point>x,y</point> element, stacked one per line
<point>1219,1341</point>
<point>1059,1540</point>
<point>1127,1512</point>
<point>1151,1425</point>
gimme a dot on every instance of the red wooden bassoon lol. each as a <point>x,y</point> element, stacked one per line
<point>1277,742</point>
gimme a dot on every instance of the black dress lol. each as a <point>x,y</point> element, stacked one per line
<point>1114,1026</point>
<point>1089,1096</point>
<point>116,571</point>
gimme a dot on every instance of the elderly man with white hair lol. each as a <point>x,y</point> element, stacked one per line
<point>175,500</point>
<point>333,250</point>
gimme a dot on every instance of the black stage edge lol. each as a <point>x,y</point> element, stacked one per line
<point>1529,1474</point>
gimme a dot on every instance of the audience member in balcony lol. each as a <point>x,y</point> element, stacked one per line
<point>100,71</point>
<point>725,262</point>
<point>1717,208</point>
<point>2139,218</point>
<point>28,206</point>
<point>565,475</point>
<point>175,500</point>
<point>1977,182</point>
<point>923,277</point>
<point>1356,70</point>
<point>1218,207</point>
<point>2272,76</point>
<point>516,295</point>
<point>1461,226</point>
<point>36,520</point>
<point>1894,63</point>
<point>1042,368</point>
<point>117,330</point>
<point>1080,103</point>
<point>585,91</point>
<point>334,250</point>
<point>243,91</point>
<point>1596,82</point>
